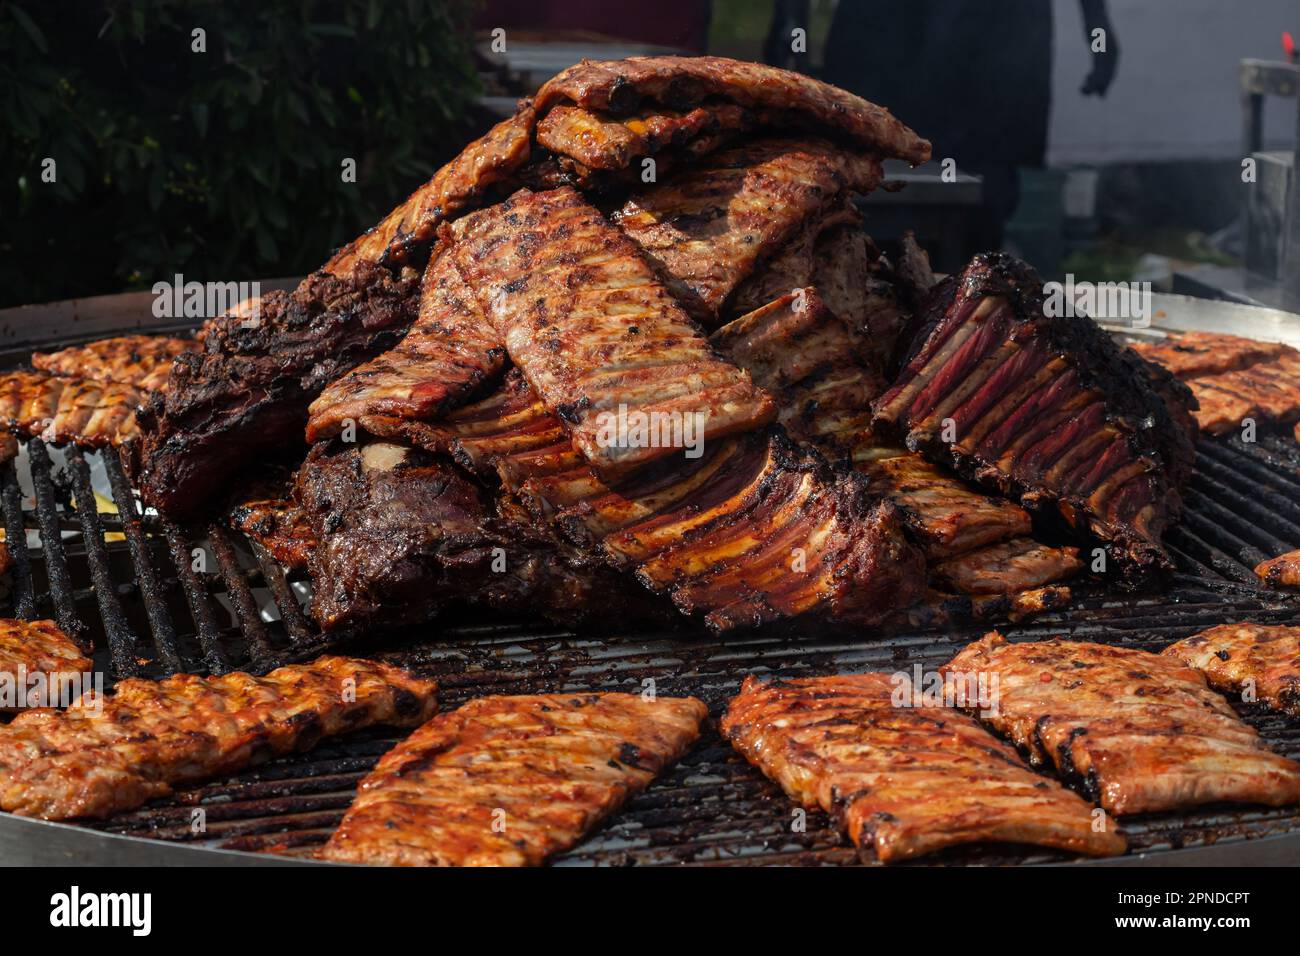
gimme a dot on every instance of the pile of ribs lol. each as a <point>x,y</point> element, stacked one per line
<point>633,353</point>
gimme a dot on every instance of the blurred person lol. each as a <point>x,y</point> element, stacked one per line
<point>973,76</point>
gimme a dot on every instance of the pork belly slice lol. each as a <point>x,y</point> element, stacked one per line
<point>399,534</point>
<point>64,410</point>
<point>510,781</point>
<point>594,332</point>
<point>244,398</point>
<point>1045,409</point>
<point>1282,571</point>
<point>707,228</point>
<point>449,353</point>
<point>1191,355</point>
<point>142,361</point>
<point>1020,564</point>
<point>621,87</point>
<point>1257,660</point>
<point>33,648</point>
<point>904,781</point>
<point>104,755</point>
<point>1139,732</point>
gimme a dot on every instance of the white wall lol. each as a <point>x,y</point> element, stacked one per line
<point>1175,94</point>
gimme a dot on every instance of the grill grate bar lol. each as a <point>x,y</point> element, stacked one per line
<point>121,638</point>
<point>241,597</point>
<point>151,593</point>
<point>56,561</point>
<point>196,596</point>
<point>300,631</point>
<point>24,589</point>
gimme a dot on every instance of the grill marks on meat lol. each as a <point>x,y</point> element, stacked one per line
<point>707,228</point>
<point>620,88</point>
<point>1268,390</point>
<point>245,396</point>
<point>401,533</point>
<point>945,515</point>
<point>1009,566</point>
<point>810,361</point>
<point>449,353</point>
<point>102,756</point>
<point>1139,731</point>
<point>903,781</point>
<point>65,410</point>
<point>279,526</point>
<point>141,361</point>
<point>583,317</point>
<point>39,647</point>
<point>1282,571</point>
<point>1047,410</point>
<point>1254,659</point>
<point>488,163</point>
<point>509,781</point>
<point>1191,355</point>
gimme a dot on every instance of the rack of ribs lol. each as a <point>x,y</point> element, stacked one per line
<point>904,780</point>
<point>103,755</point>
<point>1139,732</point>
<point>141,361</point>
<point>1256,660</point>
<point>1046,409</point>
<point>510,781</point>
<point>1190,355</point>
<point>64,410</point>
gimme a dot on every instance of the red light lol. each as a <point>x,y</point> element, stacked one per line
<point>1288,45</point>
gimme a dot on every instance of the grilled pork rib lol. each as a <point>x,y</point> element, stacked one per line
<point>449,352</point>
<point>141,361</point>
<point>1191,355</point>
<point>38,647</point>
<point>1046,409</point>
<point>1140,732</point>
<point>1257,659</point>
<point>598,338</point>
<point>100,757</point>
<point>509,781</point>
<point>903,780</point>
<point>707,228</point>
<point>64,410</point>
<point>1267,390</point>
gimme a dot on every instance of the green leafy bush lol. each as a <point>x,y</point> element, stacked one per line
<point>225,164</point>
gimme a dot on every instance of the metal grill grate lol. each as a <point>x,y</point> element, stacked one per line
<point>129,583</point>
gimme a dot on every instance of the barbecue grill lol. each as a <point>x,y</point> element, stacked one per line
<point>155,598</point>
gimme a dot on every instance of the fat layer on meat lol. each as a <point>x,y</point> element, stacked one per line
<point>509,781</point>
<point>107,754</point>
<point>1140,732</point>
<point>1256,660</point>
<point>903,779</point>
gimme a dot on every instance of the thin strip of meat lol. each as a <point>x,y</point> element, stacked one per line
<point>510,781</point>
<point>449,353</point>
<point>707,228</point>
<point>105,755</point>
<point>904,780</point>
<point>1140,732</point>
<point>1282,571</point>
<point>278,525</point>
<point>1259,661</point>
<point>598,338</point>
<point>1020,564</point>
<point>141,361</point>
<point>38,647</point>
<point>1045,408</point>
<point>64,410</point>
<point>1194,354</point>
<point>619,87</point>
<point>1269,390</point>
